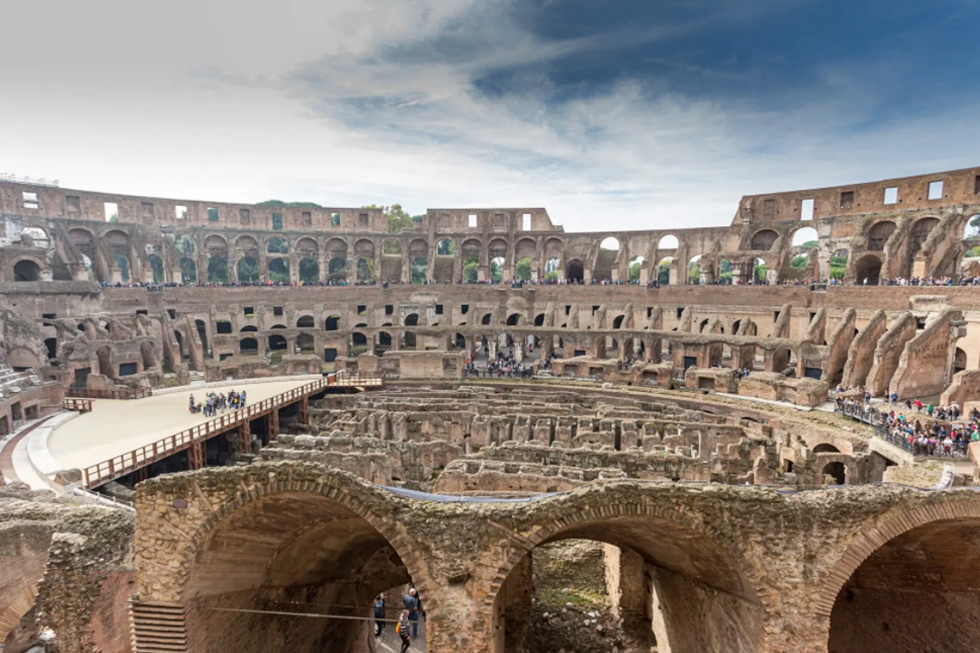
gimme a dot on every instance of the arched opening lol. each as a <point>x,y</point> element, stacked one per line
<point>391,247</point>
<point>332,323</point>
<point>971,230</point>
<point>412,319</point>
<point>574,271</point>
<point>763,240</point>
<point>309,270</point>
<point>497,264</point>
<point>825,447</point>
<point>359,341</point>
<point>27,270</point>
<point>725,272</point>
<point>635,270</point>
<point>104,355</point>
<point>303,548</point>
<point>419,270</point>
<point>384,340</point>
<point>636,561</point>
<point>247,270</point>
<point>668,242</point>
<point>184,244</point>
<point>485,320</point>
<point>617,322</point>
<point>959,361</point>
<point>278,270</point>
<point>123,263</point>
<point>277,343</point>
<point>606,259</point>
<point>305,322</point>
<point>663,270</point>
<point>365,270</point>
<point>694,270</point>
<point>248,346</point>
<point>879,233</point>
<point>916,592</point>
<point>418,255</point>
<point>523,270</point>
<point>217,269</point>
<point>760,272</point>
<point>868,271</point>
<point>806,238</point>
<point>552,269</point>
<point>515,319</point>
<point>337,270</point>
<point>539,320</point>
<point>837,471</point>
<point>920,233</point>
<point>838,265</point>
<point>188,270</point>
<point>305,343</point>
<point>156,266</point>
<point>51,346</point>
<point>277,245</point>
<point>446,247</point>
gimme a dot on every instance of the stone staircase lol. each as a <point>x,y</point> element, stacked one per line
<point>158,628</point>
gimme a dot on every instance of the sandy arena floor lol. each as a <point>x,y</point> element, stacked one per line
<point>116,426</point>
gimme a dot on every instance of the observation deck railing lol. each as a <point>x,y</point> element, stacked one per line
<point>81,405</point>
<point>118,466</point>
<point>110,393</point>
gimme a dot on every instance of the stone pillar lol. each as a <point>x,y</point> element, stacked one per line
<point>273,425</point>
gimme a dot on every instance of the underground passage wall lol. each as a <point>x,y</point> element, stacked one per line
<point>288,552</point>
<point>919,592</point>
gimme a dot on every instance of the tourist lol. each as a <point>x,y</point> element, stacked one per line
<point>379,616</point>
<point>411,604</point>
<point>403,629</point>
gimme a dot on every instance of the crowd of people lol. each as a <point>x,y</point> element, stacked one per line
<point>504,365</point>
<point>929,281</point>
<point>927,430</point>
<point>214,402</point>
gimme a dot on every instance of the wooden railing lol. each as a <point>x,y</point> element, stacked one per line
<point>123,464</point>
<point>112,393</point>
<point>81,405</point>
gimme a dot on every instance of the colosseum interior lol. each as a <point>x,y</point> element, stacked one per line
<point>750,438</point>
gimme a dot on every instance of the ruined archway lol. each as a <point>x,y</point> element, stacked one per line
<point>688,565</point>
<point>867,270</point>
<point>915,591</point>
<point>574,271</point>
<point>27,270</point>
<point>291,548</point>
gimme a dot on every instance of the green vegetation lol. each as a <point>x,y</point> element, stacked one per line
<point>188,270</point>
<point>471,269</point>
<point>799,262</point>
<point>496,272</point>
<point>248,270</point>
<point>446,248</point>
<point>694,273</point>
<point>838,264</point>
<point>523,269</point>
<point>419,269</point>
<point>663,273</point>
<point>725,276</point>
<point>294,205</point>
<point>398,218</point>
<point>278,246</point>
<point>551,276</point>
<point>634,272</point>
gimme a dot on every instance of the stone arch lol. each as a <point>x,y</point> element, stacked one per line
<point>445,247</point>
<point>804,234</point>
<point>248,246</point>
<point>870,536</point>
<point>248,346</point>
<point>669,241</point>
<point>763,240</point>
<point>825,447</point>
<point>575,271</point>
<point>295,512</point>
<point>418,257</point>
<point>307,247</point>
<point>971,227</point>
<point>277,245</point>
<point>651,528</point>
<point>920,231</point>
<point>309,269</point>
<point>27,270</point>
<point>879,233</point>
<point>305,322</point>
<point>247,269</point>
<point>279,270</point>
<point>867,270</point>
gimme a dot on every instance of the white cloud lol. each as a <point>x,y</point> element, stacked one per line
<point>350,103</point>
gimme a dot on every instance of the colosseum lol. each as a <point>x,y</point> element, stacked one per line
<point>241,427</point>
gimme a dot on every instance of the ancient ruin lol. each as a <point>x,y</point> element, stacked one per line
<point>671,440</point>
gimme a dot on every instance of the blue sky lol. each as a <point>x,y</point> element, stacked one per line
<point>621,113</point>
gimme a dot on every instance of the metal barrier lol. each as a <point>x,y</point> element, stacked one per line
<point>872,417</point>
<point>111,393</point>
<point>117,466</point>
<point>81,405</point>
